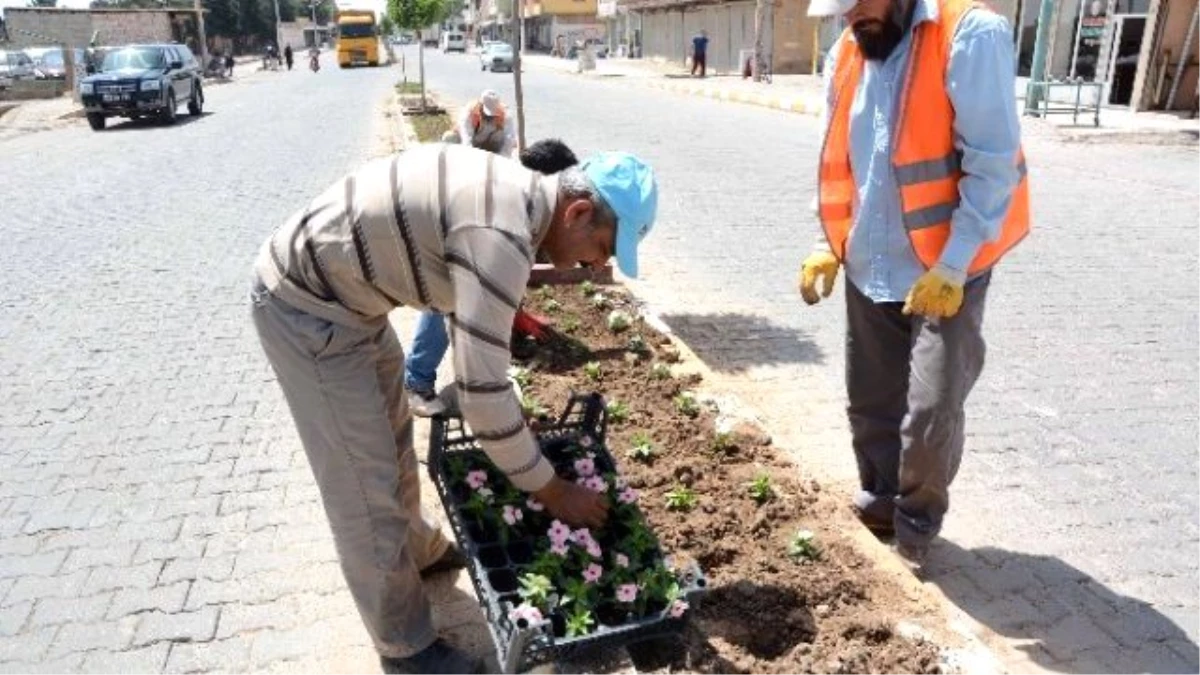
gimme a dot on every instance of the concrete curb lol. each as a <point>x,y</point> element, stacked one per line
<point>804,105</point>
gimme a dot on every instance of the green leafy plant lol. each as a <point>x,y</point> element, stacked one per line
<point>456,467</point>
<point>637,344</point>
<point>640,540</point>
<point>570,323</point>
<point>531,406</point>
<point>536,589</point>
<point>579,622</point>
<point>522,376</point>
<point>686,404</point>
<point>722,443</point>
<point>547,564</point>
<point>545,292</point>
<point>577,592</point>
<point>592,370</point>
<point>552,306</point>
<point>660,371</point>
<point>618,412</point>
<point>587,288</point>
<point>761,490</point>
<point>643,448</point>
<point>599,301</point>
<point>618,321</point>
<point>682,498</point>
<point>803,546</point>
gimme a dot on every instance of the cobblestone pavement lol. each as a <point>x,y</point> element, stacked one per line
<point>1073,532</point>
<point>156,513</point>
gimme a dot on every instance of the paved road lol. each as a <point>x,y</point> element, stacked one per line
<point>1074,524</point>
<point>155,510</point>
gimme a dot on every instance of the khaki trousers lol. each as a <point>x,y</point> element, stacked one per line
<point>345,391</point>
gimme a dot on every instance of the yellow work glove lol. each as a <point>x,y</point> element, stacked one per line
<point>818,264</point>
<point>935,295</point>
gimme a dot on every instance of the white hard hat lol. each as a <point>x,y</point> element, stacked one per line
<point>491,102</point>
<point>829,7</point>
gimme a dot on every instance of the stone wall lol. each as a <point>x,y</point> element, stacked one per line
<point>38,27</point>
<point>120,28</point>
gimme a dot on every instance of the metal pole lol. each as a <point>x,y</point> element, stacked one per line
<point>1078,32</point>
<point>278,34</point>
<point>1184,57</point>
<point>1037,72</point>
<point>203,37</point>
<point>816,54</point>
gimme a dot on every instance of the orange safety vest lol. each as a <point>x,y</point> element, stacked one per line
<point>924,160</point>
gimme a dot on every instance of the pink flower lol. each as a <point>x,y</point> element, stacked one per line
<point>534,505</point>
<point>627,496</point>
<point>627,592</point>
<point>559,548</point>
<point>593,573</point>
<point>559,533</point>
<point>527,612</point>
<point>596,484</point>
<point>593,549</point>
<point>581,536</point>
<point>678,608</point>
<point>585,467</point>
<point>581,481</point>
<point>477,479</point>
<point>585,441</point>
<point>622,560</point>
<point>512,515</point>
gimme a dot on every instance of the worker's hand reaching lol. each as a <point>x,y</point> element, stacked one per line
<point>818,264</point>
<point>573,504</point>
<point>935,295</point>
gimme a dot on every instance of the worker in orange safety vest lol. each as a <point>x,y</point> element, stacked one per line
<point>922,190</point>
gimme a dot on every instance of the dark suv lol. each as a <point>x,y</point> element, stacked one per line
<point>139,81</point>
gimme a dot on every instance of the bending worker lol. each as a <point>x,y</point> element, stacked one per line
<point>922,192</point>
<point>442,227</point>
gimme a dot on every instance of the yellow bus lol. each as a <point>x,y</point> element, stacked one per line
<point>357,38</point>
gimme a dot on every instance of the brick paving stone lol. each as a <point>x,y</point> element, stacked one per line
<point>222,656</point>
<point>198,626</point>
<point>110,556</point>
<point>107,578</point>
<point>85,637</point>
<point>28,646</point>
<point>150,659</point>
<point>34,588</point>
<point>167,599</point>
<point>14,617</point>
<point>39,564</point>
<point>49,611</point>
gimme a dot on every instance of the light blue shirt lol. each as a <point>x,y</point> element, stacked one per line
<point>880,261</point>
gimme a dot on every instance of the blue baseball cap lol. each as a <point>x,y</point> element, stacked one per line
<point>628,187</point>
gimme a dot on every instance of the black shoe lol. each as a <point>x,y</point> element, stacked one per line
<point>880,528</point>
<point>452,559</point>
<point>438,657</point>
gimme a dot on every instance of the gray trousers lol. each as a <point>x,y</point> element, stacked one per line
<point>907,380</point>
<point>344,386</point>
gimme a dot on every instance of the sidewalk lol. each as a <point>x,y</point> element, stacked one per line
<point>803,94</point>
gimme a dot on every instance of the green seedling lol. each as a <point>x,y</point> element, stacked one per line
<point>536,589</point>
<point>570,324</point>
<point>618,412</point>
<point>660,371</point>
<point>618,321</point>
<point>637,344</point>
<point>531,406</point>
<point>545,292</point>
<point>522,376</point>
<point>552,306</point>
<point>803,546</point>
<point>682,498</point>
<point>599,301</point>
<point>579,623</point>
<point>723,443</point>
<point>643,449</point>
<point>687,405</point>
<point>761,490</point>
<point>587,288</point>
<point>592,370</point>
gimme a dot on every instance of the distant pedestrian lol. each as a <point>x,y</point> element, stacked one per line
<point>287,55</point>
<point>229,63</point>
<point>700,52</point>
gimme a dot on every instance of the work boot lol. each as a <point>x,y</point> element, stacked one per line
<point>874,513</point>
<point>438,657</point>
<point>452,559</point>
<point>425,403</point>
<point>913,555</point>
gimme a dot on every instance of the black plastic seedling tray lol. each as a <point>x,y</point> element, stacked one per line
<point>496,564</point>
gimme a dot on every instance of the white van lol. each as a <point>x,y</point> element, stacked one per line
<point>454,41</point>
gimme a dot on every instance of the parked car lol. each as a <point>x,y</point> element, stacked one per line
<point>139,81</point>
<point>49,65</point>
<point>496,57</point>
<point>454,41</point>
<point>16,65</point>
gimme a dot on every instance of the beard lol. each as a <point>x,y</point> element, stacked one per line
<point>877,39</point>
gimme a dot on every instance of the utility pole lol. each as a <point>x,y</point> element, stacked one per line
<point>1037,71</point>
<point>760,9</point>
<point>203,37</point>
<point>278,34</point>
<point>519,43</point>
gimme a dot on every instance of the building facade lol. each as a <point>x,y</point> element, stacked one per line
<point>37,26</point>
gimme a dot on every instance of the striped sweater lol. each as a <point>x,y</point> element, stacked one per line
<point>445,227</point>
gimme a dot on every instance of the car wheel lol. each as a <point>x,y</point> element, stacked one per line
<point>96,121</point>
<point>169,115</point>
<point>196,105</point>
